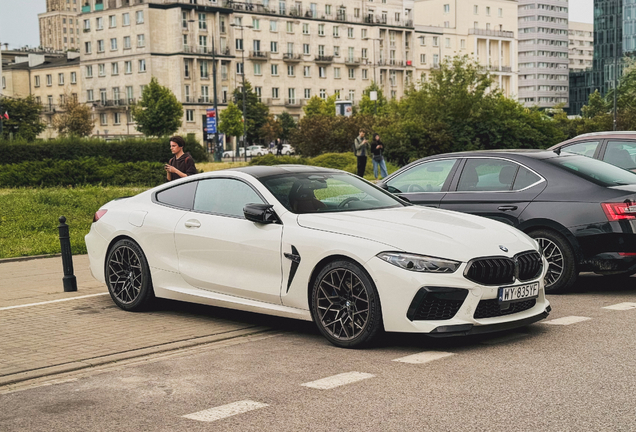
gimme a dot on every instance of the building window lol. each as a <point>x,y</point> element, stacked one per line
<point>274,47</point>
<point>89,72</point>
<point>423,58</point>
<point>336,31</point>
<point>273,25</point>
<point>37,80</point>
<point>112,21</point>
<point>350,32</point>
<point>129,94</point>
<point>352,73</point>
<point>103,119</point>
<point>89,95</point>
<point>307,71</point>
<point>336,73</point>
<point>238,44</point>
<point>87,47</point>
<point>305,28</point>
<point>101,68</point>
<point>239,68</point>
<point>323,93</point>
<point>205,93</point>
<point>365,74</point>
<point>321,29</point>
<point>190,116</point>
<point>289,26</point>
<point>113,44</point>
<point>100,46</point>
<point>322,72</point>
<point>128,67</point>
<point>141,41</point>
<point>290,70</point>
<point>99,23</point>
<point>307,93</point>
<point>87,25</point>
<point>306,49</point>
<point>435,41</point>
<point>446,8</point>
<point>274,70</point>
<point>257,69</point>
<point>291,94</point>
<point>125,19</point>
<point>142,65</point>
<point>114,68</point>
<point>258,91</point>
<point>116,118</point>
<point>500,12</point>
<point>447,42</point>
<point>203,24</point>
<point>363,33</point>
<point>352,95</point>
<point>140,17</point>
<point>476,10</point>
<point>275,93</point>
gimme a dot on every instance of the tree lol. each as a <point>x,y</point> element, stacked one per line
<point>231,121</point>
<point>158,113</point>
<point>288,125</point>
<point>256,112</point>
<point>367,106</point>
<point>319,134</point>
<point>76,119</point>
<point>319,106</point>
<point>24,118</point>
<point>271,130</point>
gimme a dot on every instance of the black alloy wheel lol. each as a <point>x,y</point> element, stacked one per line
<point>562,271</point>
<point>345,305</point>
<point>128,276</point>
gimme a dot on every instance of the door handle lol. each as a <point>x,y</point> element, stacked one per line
<point>192,223</point>
<point>507,208</point>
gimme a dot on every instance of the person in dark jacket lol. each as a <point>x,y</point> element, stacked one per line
<point>182,164</point>
<point>361,150</point>
<point>378,158</point>
<point>279,147</point>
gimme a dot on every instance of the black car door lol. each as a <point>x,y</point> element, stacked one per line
<point>424,183</point>
<point>495,188</point>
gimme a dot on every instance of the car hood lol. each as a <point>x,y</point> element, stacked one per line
<point>440,233</point>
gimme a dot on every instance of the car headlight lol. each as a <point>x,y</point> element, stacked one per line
<point>419,263</point>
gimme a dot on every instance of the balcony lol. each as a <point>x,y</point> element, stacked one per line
<point>353,61</point>
<point>323,59</point>
<point>293,103</point>
<point>49,108</point>
<point>86,8</point>
<point>393,63</point>
<point>203,50</point>
<point>292,58</point>
<point>99,5</point>
<point>493,33</point>
<point>204,99</point>
<point>259,55</point>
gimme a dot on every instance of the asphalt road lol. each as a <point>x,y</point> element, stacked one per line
<point>573,372</point>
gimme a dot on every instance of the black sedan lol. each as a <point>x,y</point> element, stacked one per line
<point>582,211</point>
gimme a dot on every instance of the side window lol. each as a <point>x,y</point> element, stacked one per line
<point>584,148</point>
<point>621,154</point>
<point>425,177</point>
<point>180,196</point>
<point>487,175</point>
<point>224,196</point>
<point>525,178</point>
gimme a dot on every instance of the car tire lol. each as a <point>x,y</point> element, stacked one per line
<point>562,267</point>
<point>128,276</point>
<point>345,305</point>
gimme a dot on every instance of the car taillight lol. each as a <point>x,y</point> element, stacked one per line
<point>619,211</point>
<point>98,215</point>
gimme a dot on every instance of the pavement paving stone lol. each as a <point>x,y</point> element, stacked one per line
<point>61,336</point>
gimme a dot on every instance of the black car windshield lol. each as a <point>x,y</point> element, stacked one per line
<point>327,192</point>
<point>594,170</point>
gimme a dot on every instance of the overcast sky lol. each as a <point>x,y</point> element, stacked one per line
<point>19,19</point>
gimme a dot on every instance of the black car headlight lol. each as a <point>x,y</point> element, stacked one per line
<point>419,263</point>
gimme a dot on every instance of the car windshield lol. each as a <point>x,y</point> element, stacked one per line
<point>327,192</point>
<point>594,170</point>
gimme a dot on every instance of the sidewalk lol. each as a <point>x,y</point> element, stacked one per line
<point>45,331</point>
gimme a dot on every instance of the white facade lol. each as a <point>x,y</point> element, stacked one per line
<point>581,46</point>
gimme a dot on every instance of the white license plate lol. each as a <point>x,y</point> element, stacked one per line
<point>518,292</point>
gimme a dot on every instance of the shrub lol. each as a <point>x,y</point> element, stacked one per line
<point>84,171</point>
<point>270,160</point>
<point>132,150</point>
<point>334,160</point>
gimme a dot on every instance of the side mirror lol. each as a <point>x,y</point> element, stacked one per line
<point>260,213</point>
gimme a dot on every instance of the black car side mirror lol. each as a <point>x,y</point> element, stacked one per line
<point>260,213</point>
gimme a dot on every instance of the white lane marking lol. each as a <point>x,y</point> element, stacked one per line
<point>221,412</point>
<point>423,357</point>
<point>51,301</point>
<point>567,320</point>
<point>621,306</point>
<point>338,380</point>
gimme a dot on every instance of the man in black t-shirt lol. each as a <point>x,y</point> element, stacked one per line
<point>182,164</point>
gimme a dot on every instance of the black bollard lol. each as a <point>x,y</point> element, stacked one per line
<point>70,283</point>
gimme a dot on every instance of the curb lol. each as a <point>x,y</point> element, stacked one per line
<point>127,355</point>
<point>29,258</point>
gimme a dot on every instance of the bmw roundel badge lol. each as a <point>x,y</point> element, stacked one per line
<point>503,248</point>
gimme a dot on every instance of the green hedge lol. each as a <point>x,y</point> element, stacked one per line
<point>132,150</point>
<point>83,171</point>
<point>270,160</point>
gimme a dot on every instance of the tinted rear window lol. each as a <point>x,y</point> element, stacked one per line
<point>598,172</point>
<point>181,196</point>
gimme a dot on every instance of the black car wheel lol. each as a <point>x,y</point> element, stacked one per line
<point>562,271</point>
<point>128,276</point>
<point>345,305</point>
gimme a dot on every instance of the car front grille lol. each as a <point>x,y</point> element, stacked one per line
<point>501,270</point>
<point>491,308</point>
<point>529,265</point>
<point>436,304</point>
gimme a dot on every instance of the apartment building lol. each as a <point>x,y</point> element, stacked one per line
<point>59,25</point>
<point>48,78</point>
<point>581,53</point>
<point>483,29</point>
<point>543,53</point>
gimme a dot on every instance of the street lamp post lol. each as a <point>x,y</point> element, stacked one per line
<point>242,27</point>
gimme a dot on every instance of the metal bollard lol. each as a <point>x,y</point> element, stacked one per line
<point>70,283</point>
